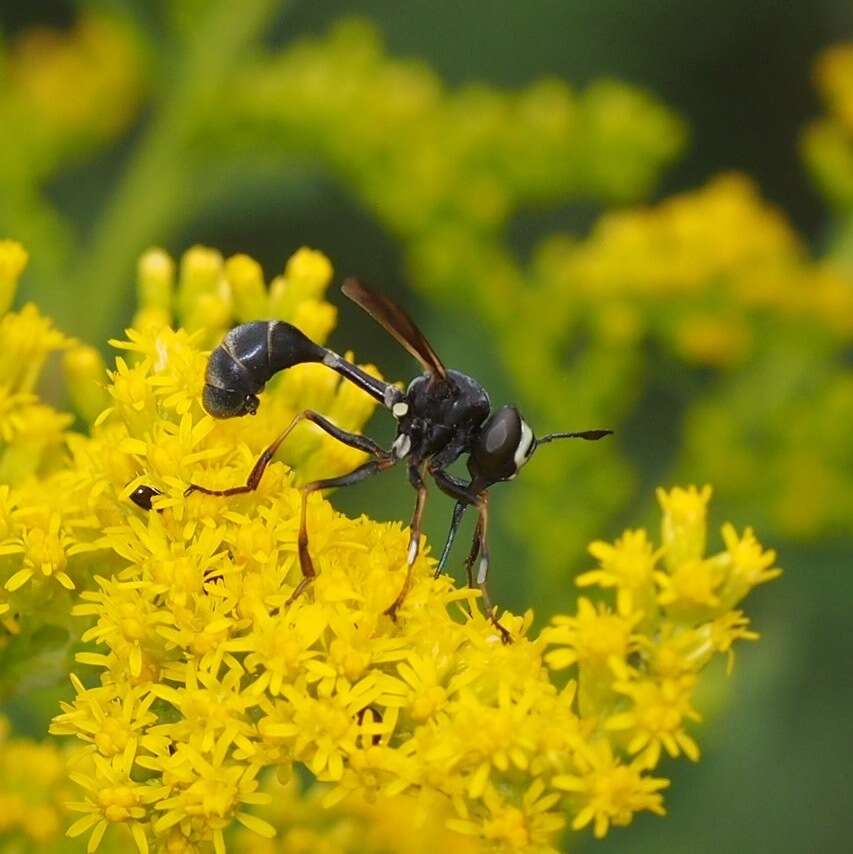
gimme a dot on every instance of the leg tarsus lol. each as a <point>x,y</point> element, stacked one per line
<point>300,588</point>
<point>491,614</point>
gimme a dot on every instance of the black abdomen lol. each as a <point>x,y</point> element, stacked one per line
<point>248,356</point>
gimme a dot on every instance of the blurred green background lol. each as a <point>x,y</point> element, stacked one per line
<point>185,161</point>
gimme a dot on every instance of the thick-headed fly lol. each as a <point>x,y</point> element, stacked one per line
<point>440,416</point>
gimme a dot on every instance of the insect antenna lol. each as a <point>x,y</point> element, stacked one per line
<point>589,435</point>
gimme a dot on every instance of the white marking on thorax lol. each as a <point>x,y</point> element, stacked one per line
<point>524,443</point>
<point>400,409</point>
<point>391,396</point>
<point>402,445</point>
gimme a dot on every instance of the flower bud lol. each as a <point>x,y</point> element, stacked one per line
<point>85,374</point>
<point>683,525</point>
<point>246,278</point>
<point>155,279</point>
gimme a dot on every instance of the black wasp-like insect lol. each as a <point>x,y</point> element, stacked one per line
<point>440,416</point>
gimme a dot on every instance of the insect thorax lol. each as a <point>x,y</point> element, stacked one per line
<point>435,413</point>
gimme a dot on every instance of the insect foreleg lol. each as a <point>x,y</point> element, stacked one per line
<point>472,554</point>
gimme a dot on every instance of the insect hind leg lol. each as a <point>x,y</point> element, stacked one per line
<point>306,564</point>
<point>479,546</point>
<point>354,440</point>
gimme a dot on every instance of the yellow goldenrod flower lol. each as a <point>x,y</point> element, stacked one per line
<point>111,798</point>
<point>660,708</point>
<point>692,585</point>
<point>595,636</point>
<point>683,531</point>
<point>749,564</point>
<point>609,791</point>
<point>526,827</point>
<point>628,565</point>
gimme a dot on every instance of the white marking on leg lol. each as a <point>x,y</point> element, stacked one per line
<point>400,409</point>
<point>331,359</point>
<point>482,570</point>
<point>413,552</point>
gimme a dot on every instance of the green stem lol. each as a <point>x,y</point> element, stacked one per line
<point>155,192</point>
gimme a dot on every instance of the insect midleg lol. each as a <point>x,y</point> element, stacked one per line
<point>472,554</point>
<point>480,545</point>
<point>458,512</point>
<point>362,443</point>
<point>461,491</point>
<point>417,481</point>
<point>357,475</point>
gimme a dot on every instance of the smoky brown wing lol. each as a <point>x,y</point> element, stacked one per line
<point>397,323</point>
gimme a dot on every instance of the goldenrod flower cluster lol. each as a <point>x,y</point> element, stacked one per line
<point>698,271</point>
<point>197,680</point>
<point>428,160</point>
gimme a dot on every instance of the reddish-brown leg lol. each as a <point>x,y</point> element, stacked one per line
<point>306,564</point>
<point>362,443</point>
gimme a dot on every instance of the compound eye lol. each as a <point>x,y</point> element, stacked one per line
<point>504,444</point>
